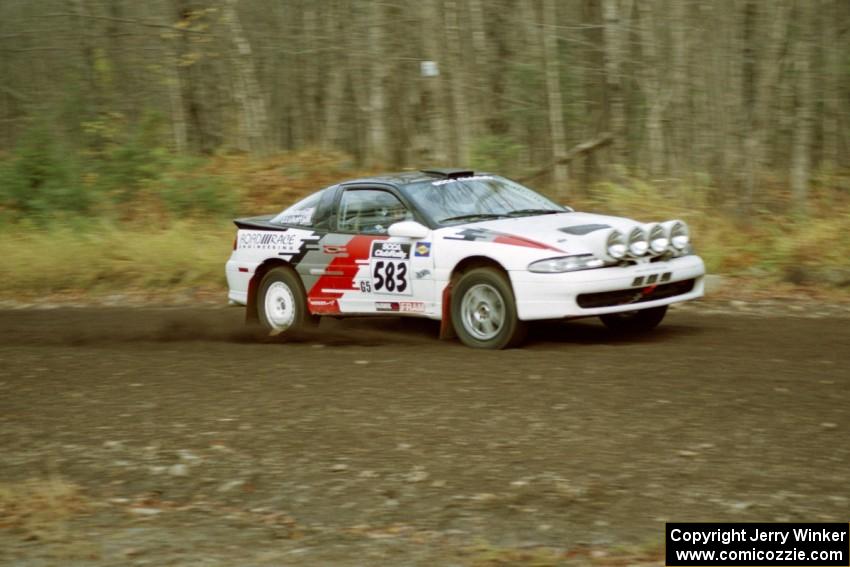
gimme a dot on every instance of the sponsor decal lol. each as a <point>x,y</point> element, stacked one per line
<point>391,250</point>
<point>421,274</point>
<point>331,249</point>
<point>323,306</point>
<point>422,250</point>
<point>302,217</point>
<point>400,306</point>
<point>411,306</point>
<point>283,241</point>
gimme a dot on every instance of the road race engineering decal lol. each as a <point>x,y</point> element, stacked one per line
<point>290,244</point>
<point>390,268</point>
<point>487,235</point>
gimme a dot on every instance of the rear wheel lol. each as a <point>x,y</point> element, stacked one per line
<point>484,310</point>
<point>282,303</point>
<point>635,321</point>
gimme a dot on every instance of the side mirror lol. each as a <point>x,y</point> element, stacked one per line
<point>408,229</point>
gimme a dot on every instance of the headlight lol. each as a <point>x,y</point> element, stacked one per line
<point>615,246</point>
<point>638,243</point>
<point>658,240</point>
<point>566,264</point>
<point>679,235</point>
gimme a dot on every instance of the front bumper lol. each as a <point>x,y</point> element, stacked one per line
<point>555,296</point>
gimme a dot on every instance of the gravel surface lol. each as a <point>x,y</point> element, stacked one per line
<point>173,436</point>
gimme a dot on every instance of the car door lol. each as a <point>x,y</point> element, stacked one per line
<point>371,271</point>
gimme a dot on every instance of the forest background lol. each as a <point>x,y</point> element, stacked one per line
<point>132,132</point>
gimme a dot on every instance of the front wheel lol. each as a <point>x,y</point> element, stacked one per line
<point>484,310</point>
<point>635,321</point>
<point>282,303</point>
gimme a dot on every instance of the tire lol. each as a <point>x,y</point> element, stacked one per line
<point>282,303</point>
<point>484,310</point>
<point>635,321</point>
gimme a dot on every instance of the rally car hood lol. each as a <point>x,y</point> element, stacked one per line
<point>571,233</point>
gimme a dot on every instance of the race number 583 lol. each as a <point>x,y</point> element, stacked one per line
<point>389,267</point>
<point>389,276</point>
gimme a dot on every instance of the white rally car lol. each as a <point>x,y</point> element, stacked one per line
<point>479,252</point>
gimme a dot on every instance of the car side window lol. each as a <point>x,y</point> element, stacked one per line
<point>370,211</point>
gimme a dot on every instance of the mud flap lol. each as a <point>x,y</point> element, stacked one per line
<point>447,329</point>
<point>251,315</point>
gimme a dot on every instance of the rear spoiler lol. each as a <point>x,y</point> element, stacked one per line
<point>258,223</point>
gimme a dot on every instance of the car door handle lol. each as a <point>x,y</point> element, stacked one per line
<point>330,249</point>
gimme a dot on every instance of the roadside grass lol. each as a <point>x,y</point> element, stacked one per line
<point>105,258</point>
<point>146,245</point>
<point>769,247</point>
<point>37,509</point>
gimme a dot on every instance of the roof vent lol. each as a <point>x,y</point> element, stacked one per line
<point>449,172</point>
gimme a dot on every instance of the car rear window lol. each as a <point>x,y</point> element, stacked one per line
<point>302,213</point>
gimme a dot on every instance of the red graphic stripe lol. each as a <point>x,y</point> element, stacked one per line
<point>358,248</point>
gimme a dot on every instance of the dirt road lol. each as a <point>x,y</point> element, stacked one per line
<point>177,438</point>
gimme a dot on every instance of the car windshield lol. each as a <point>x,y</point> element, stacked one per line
<point>477,198</point>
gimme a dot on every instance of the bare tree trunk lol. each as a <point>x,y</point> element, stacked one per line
<point>680,148</point>
<point>831,115</point>
<point>177,106</point>
<point>310,73</point>
<point>802,143</point>
<point>553,95</point>
<point>656,100</point>
<point>533,131</point>
<point>81,9</point>
<point>253,115</point>
<point>616,114</point>
<point>729,88</point>
<point>434,86</point>
<point>766,84</point>
<point>376,110</point>
<point>460,110</point>
<point>483,66</point>
<point>335,25</point>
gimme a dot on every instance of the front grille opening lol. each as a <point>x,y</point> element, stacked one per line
<point>634,295</point>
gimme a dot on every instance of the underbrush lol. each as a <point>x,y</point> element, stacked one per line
<point>768,245</point>
<point>130,216</point>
